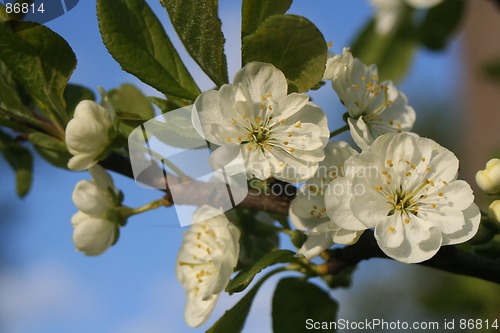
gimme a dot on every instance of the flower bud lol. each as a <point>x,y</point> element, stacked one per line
<point>87,134</point>
<point>95,225</point>
<point>92,236</point>
<point>494,211</point>
<point>489,179</point>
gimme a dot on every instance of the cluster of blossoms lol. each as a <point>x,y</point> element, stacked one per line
<point>402,186</point>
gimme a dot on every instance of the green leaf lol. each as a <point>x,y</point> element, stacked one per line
<point>130,119</point>
<point>245,277</point>
<point>10,102</point>
<point>21,161</point>
<point>74,94</point>
<point>163,104</point>
<point>440,23</point>
<point>51,149</point>
<point>234,319</point>
<point>254,12</point>
<point>40,60</point>
<point>47,141</point>
<point>200,30</point>
<point>175,129</point>
<point>136,39</point>
<point>255,244</point>
<point>392,52</point>
<point>131,106</point>
<point>294,45</point>
<point>295,300</point>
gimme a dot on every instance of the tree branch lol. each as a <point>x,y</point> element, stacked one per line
<point>450,259</point>
<point>198,193</point>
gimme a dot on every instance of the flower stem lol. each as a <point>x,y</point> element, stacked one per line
<point>340,130</point>
<point>163,202</point>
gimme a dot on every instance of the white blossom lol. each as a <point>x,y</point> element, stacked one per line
<point>87,134</point>
<point>207,258</point>
<point>489,179</point>
<point>93,233</point>
<point>308,211</point>
<point>388,12</point>
<point>374,108</point>
<point>278,134</point>
<point>406,188</point>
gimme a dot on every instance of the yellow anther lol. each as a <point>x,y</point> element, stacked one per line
<point>290,134</point>
<point>363,78</point>
<point>427,169</point>
<point>433,205</point>
<point>355,86</point>
<point>408,174</point>
<point>292,150</point>
<point>374,77</point>
<point>378,188</point>
<point>298,124</point>
<point>440,194</point>
<point>330,44</point>
<point>444,182</point>
<point>228,140</point>
<point>423,159</point>
<point>391,229</point>
<point>285,143</point>
<point>258,119</point>
<point>407,221</point>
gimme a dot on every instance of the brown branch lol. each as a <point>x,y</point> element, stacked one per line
<point>198,193</point>
<point>450,258</point>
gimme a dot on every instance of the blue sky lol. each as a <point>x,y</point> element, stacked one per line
<point>132,288</point>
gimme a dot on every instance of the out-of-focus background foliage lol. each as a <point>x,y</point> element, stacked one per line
<point>45,286</point>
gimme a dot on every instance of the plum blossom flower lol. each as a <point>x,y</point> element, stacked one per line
<point>88,134</point>
<point>406,188</point>
<point>207,258</point>
<point>489,179</point>
<point>93,232</point>
<point>308,211</point>
<point>387,12</point>
<point>374,108</point>
<point>278,134</point>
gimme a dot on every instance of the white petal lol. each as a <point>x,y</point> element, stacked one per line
<point>262,79</point>
<point>344,236</point>
<point>90,199</point>
<point>448,220</point>
<point>82,162</point>
<point>412,253</point>
<point>92,236</point>
<point>338,206</point>
<point>291,104</point>
<point>198,311</point>
<point>389,232</point>
<point>224,155</point>
<point>360,132</point>
<point>472,217</point>
<point>315,245</point>
<point>101,177</point>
